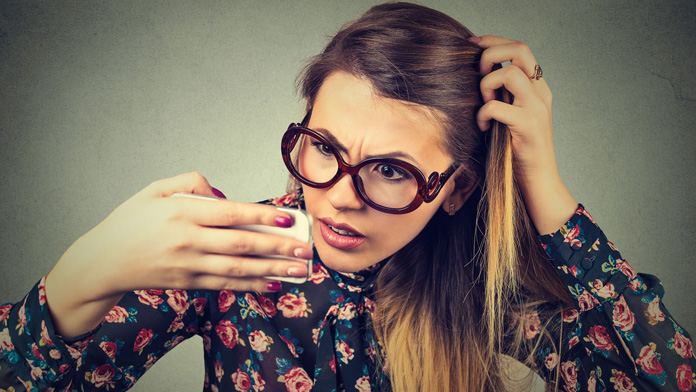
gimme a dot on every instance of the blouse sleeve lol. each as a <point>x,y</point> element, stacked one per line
<point>619,336</point>
<point>144,326</point>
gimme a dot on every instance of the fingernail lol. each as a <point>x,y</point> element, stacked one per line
<point>297,271</point>
<point>273,286</point>
<point>283,221</point>
<point>219,194</point>
<point>303,253</point>
<point>475,39</point>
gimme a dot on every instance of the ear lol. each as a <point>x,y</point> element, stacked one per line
<point>458,197</point>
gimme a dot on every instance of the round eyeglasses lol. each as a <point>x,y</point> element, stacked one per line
<point>385,184</point>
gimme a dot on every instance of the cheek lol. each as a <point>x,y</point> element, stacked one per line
<point>311,197</point>
<point>387,233</point>
<point>395,231</point>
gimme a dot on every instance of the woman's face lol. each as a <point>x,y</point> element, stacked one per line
<point>367,125</point>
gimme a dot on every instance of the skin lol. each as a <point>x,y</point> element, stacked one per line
<point>155,241</point>
<point>383,126</point>
<point>547,200</point>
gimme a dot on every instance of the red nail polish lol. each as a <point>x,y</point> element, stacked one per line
<point>219,194</point>
<point>475,40</point>
<point>283,221</point>
<point>273,286</point>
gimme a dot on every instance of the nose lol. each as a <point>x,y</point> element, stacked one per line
<point>343,196</point>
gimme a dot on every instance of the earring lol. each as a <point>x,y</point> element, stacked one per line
<point>451,209</point>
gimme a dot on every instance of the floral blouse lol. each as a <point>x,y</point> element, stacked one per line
<point>318,336</point>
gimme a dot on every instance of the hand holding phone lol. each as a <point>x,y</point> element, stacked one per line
<point>154,241</point>
<point>301,229</point>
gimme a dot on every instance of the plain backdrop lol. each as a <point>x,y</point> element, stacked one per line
<point>98,99</point>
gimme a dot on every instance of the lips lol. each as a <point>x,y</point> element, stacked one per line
<point>340,235</point>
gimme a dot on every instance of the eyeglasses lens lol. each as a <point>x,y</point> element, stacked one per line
<point>385,183</point>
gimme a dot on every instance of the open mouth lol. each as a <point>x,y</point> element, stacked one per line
<point>342,232</point>
<point>340,236</point>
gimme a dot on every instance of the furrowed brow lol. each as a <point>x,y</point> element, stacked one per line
<point>332,139</point>
<point>344,151</point>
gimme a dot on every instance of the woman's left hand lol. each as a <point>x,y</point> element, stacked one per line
<point>529,119</point>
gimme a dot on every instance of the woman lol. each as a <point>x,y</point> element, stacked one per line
<point>426,266</point>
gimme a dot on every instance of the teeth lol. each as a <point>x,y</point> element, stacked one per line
<point>341,231</point>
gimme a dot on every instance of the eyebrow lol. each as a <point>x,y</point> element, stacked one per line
<point>339,146</point>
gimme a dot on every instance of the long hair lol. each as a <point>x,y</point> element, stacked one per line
<point>442,300</point>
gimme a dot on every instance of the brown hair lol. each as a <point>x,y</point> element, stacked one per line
<point>442,299</point>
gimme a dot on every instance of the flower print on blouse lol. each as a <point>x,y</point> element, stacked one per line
<point>318,336</point>
<point>619,336</point>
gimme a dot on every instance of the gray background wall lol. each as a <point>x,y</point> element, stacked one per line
<point>98,99</point>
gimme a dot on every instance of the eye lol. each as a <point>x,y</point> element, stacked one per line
<point>322,148</point>
<point>391,172</point>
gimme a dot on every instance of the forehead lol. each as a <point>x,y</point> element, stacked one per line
<point>350,109</point>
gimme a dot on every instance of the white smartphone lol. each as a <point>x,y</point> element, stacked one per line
<point>301,229</point>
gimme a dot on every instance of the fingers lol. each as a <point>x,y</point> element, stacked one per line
<point>242,242</point>
<point>518,53</point>
<point>499,50</point>
<point>221,272</point>
<point>220,213</point>
<point>499,111</point>
<point>487,41</point>
<point>186,183</point>
<point>245,267</point>
<point>228,213</point>
<point>194,253</point>
<point>259,285</point>
<point>197,270</point>
<point>534,97</point>
<point>511,78</point>
<point>527,93</point>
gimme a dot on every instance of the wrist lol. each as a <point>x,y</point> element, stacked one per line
<point>548,201</point>
<point>78,298</point>
<point>72,314</point>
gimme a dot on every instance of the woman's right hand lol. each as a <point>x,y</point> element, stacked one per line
<point>154,241</point>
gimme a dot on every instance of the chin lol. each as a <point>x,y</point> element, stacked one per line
<point>344,261</point>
